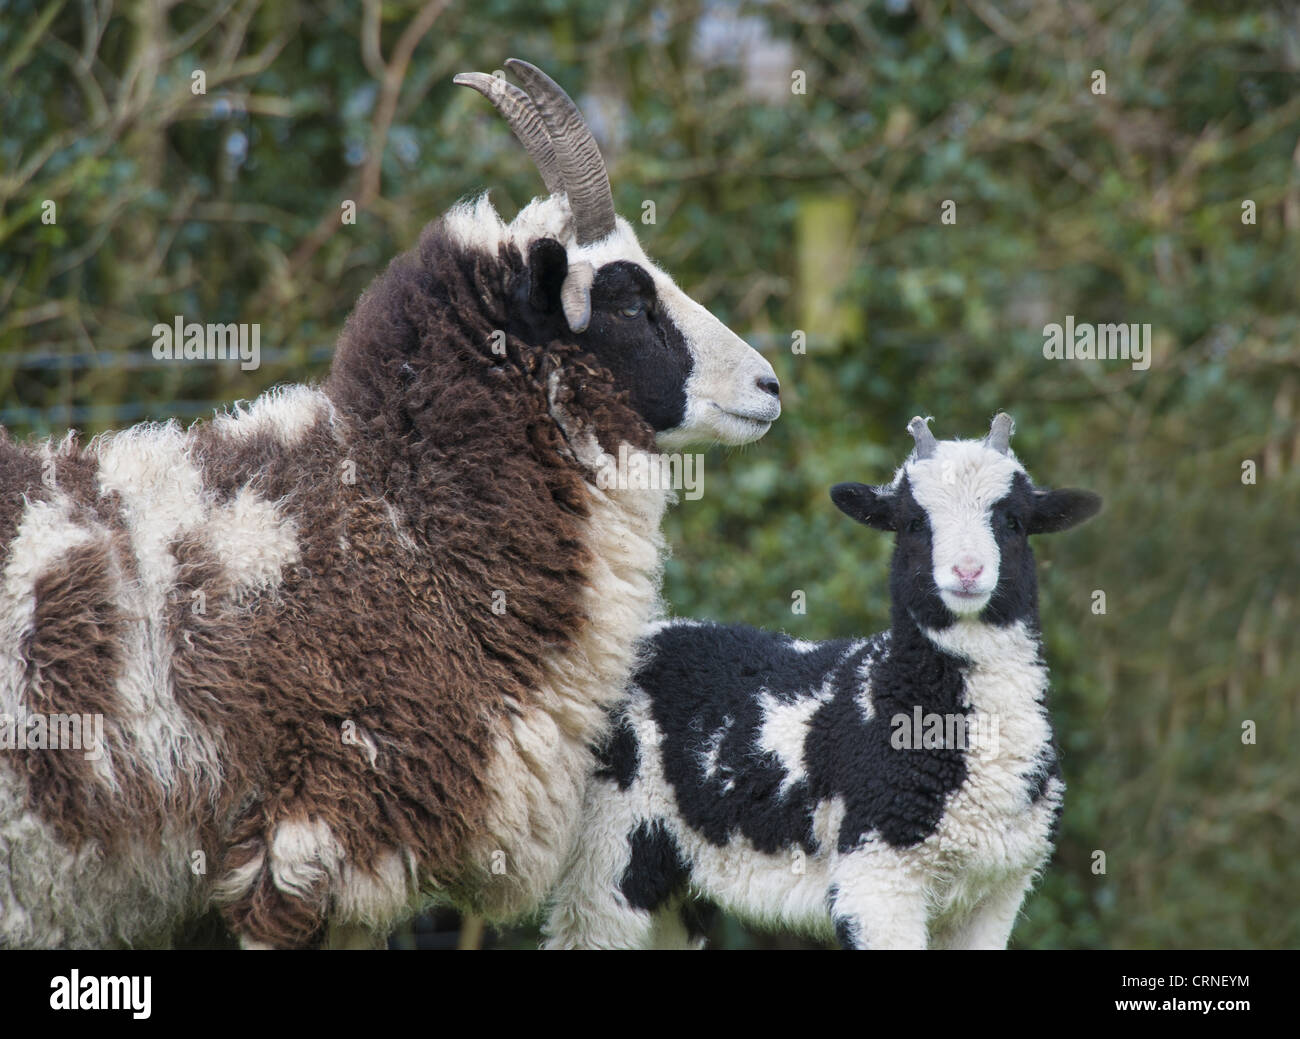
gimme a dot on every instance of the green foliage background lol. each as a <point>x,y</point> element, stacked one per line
<point>782,211</point>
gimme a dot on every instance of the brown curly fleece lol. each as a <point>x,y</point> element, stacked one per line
<point>366,690</point>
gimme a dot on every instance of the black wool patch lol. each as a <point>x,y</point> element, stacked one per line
<point>656,871</point>
<point>619,757</point>
<point>897,793</point>
<point>848,931</point>
<point>1046,767</point>
<point>705,683</point>
<point>699,916</point>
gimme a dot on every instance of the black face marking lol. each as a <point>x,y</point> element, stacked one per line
<point>656,871</point>
<point>704,681</point>
<point>1016,596</point>
<point>911,575</point>
<point>629,334</point>
<point>914,594</point>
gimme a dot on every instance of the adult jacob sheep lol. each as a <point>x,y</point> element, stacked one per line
<point>349,645</point>
<point>893,791</point>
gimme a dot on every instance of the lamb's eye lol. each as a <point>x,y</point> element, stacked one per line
<point>1013,524</point>
<point>915,526</point>
<point>635,310</point>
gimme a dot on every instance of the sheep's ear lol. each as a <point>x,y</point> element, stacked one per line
<point>1062,509</point>
<point>552,282</point>
<point>548,265</point>
<point>864,504</point>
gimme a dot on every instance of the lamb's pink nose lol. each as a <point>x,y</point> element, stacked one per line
<point>967,574</point>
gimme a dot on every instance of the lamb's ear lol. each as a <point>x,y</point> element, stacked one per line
<point>1062,509</point>
<point>864,504</point>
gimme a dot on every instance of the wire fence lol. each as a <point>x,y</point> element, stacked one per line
<point>282,365</point>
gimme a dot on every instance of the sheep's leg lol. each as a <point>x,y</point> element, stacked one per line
<point>597,919</point>
<point>605,920</point>
<point>876,908</point>
<point>988,925</point>
<point>265,917</point>
<point>590,908</point>
<point>276,887</point>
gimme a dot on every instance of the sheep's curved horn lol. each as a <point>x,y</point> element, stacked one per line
<point>925,442</point>
<point>1000,431</point>
<point>585,179</point>
<point>525,123</point>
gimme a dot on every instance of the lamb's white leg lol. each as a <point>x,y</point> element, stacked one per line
<point>988,925</point>
<point>877,902</point>
<point>588,908</point>
<point>596,918</point>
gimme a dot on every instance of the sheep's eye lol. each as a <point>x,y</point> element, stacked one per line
<point>1013,524</point>
<point>635,310</point>
<point>915,526</point>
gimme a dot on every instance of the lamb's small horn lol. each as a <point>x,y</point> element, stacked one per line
<point>925,442</point>
<point>1000,431</point>
<point>585,178</point>
<point>525,123</point>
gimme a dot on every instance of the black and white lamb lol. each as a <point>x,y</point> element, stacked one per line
<point>344,651</point>
<point>896,791</point>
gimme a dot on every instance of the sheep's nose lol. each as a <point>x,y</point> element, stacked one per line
<point>769,384</point>
<point>967,575</point>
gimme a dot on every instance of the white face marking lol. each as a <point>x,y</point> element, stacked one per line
<point>958,487</point>
<point>724,402</point>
